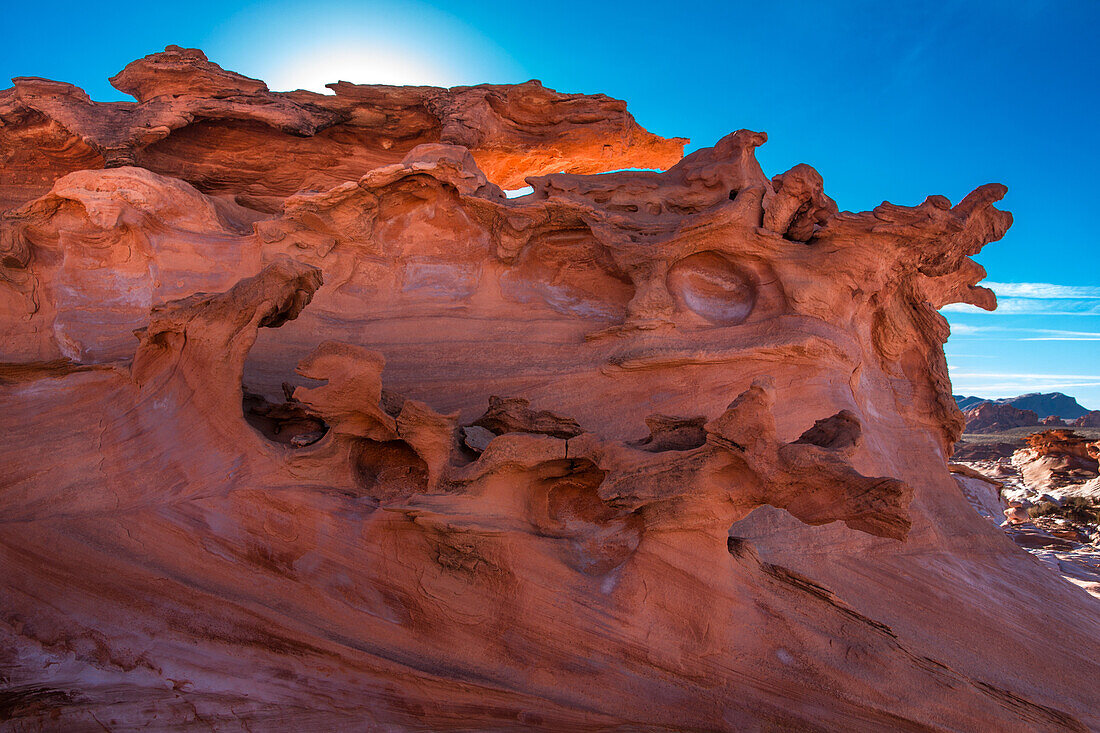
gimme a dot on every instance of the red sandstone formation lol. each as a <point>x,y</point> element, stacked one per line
<point>641,450</point>
<point>1060,442</point>
<point>992,417</point>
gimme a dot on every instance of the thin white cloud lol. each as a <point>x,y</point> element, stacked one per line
<point>1044,291</point>
<point>966,330</point>
<point>1027,375</point>
<point>1033,307</point>
<point>1038,299</point>
<point>966,308</point>
<point>1057,332</point>
<point>1008,383</point>
<point>1026,299</point>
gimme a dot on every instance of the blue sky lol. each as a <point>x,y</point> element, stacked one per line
<point>890,101</point>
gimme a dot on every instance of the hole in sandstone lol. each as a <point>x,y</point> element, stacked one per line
<point>390,470</point>
<point>712,287</point>
<point>599,537</point>
<point>286,422</point>
<point>574,500</point>
<point>269,368</point>
<point>667,433</point>
<point>267,404</point>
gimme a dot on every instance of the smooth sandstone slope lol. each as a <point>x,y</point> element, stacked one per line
<point>659,450</point>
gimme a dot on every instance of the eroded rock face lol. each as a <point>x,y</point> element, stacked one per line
<point>659,450</point>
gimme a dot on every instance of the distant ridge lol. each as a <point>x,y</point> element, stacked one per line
<point>1042,404</point>
<point>965,403</point>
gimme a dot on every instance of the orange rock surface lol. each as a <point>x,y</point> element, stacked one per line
<point>639,450</point>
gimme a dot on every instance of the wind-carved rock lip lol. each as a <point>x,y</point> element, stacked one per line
<point>191,113</point>
<point>393,449</point>
<point>790,337</point>
<point>178,72</point>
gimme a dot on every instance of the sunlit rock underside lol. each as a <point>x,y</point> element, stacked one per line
<point>309,427</point>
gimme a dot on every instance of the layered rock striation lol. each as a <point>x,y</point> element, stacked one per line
<point>660,450</point>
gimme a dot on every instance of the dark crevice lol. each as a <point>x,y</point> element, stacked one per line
<point>668,433</point>
<point>287,423</point>
<point>595,535</point>
<point>802,583</point>
<point>738,547</point>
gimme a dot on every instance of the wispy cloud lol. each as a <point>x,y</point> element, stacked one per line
<point>1033,299</point>
<point>1039,299</point>
<point>1034,307</point>
<point>1093,337</point>
<point>1044,291</point>
<point>1002,333</point>
<point>1056,332</point>
<point>965,329</point>
<point>1009,383</point>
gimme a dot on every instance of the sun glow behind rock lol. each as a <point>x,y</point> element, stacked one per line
<point>363,43</point>
<point>313,68</point>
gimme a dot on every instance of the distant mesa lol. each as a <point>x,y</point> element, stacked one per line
<point>1052,409</point>
<point>1043,404</point>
